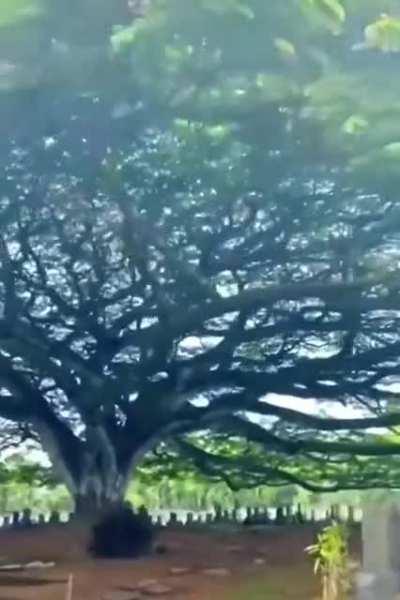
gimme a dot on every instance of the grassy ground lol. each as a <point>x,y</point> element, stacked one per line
<point>268,565</point>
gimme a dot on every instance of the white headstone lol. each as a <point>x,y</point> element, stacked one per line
<point>380,577</point>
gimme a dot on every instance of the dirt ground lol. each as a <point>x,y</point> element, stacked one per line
<point>263,565</point>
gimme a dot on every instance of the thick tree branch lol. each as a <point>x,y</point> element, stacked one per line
<point>255,433</point>
<point>241,473</point>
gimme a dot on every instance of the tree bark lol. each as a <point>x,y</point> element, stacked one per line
<point>94,478</point>
<point>93,467</point>
<point>89,506</point>
<point>99,492</point>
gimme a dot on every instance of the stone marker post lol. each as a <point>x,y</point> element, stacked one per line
<point>159,521</point>
<point>15,519</point>
<point>350,514</point>
<point>380,576</point>
<point>54,518</point>
<point>26,520</point>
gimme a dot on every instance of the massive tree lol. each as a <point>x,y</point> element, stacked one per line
<point>195,234</point>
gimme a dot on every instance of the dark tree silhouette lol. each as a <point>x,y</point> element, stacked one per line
<point>161,281</point>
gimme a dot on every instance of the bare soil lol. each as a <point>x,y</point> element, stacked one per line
<point>263,565</point>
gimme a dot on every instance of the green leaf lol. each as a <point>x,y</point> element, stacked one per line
<point>219,133</point>
<point>392,150</point>
<point>355,125</point>
<point>333,9</point>
<point>223,7</point>
<point>384,34</point>
<point>328,13</point>
<point>123,38</point>
<point>285,48</point>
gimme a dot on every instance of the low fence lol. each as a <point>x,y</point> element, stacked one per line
<point>281,515</point>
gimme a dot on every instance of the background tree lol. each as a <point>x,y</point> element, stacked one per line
<point>194,233</point>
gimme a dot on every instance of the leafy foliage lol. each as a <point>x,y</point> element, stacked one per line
<point>331,556</point>
<point>328,13</point>
<point>384,34</point>
<point>19,471</point>
<point>13,11</point>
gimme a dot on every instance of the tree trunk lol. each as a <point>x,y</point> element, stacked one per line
<point>95,478</point>
<point>98,493</point>
<point>89,506</point>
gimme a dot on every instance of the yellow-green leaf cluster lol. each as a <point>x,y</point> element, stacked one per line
<point>15,11</point>
<point>329,14</point>
<point>384,34</point>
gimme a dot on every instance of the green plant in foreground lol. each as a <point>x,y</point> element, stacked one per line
<point>331,555</point>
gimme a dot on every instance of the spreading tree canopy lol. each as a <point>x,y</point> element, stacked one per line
<point>200,239</point>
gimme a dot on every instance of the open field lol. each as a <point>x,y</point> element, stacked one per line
<point>268,565</point>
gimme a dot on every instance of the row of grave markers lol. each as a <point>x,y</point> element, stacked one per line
<point>282,515</point>
<point>379,578</point>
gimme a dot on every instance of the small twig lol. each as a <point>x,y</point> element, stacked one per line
<point>70,587</point>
